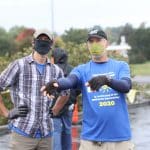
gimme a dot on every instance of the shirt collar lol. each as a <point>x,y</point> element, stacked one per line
<point>30,59</point>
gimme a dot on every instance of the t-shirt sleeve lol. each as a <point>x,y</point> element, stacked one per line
<point>124,70</point>
<point>78,71</point>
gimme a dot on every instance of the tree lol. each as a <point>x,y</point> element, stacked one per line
<point>15,31</point>
<point>139,41</point>
<point>77,36</point>
<point>24,38</point>
<point>6,43</point>
<point>77,53</point>
<point>58,42</point>
<point>127,31</point>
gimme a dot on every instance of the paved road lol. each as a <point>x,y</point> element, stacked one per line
<point>142,79</point>
<point>140,124</point>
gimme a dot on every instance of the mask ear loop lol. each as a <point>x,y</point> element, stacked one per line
<point>51,45</point>
<point>33,43</point>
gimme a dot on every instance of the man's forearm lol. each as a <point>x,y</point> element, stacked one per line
<point>68,83</point>
<point>60,102</point>
<point>123,85</point>
<point>3,109</point>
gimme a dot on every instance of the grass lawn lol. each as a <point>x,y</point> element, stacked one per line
<point>140,69</point>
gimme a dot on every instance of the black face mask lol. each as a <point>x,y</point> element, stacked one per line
<point>42,47</point>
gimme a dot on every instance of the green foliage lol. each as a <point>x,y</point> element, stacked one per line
<point>59,42</point>
<point>113,33</point>
<point>139,41</point>
<point>140,69</point>
<point>24,39</point>
<point>24,52</point>
<point>24,44</point>
<point>2,31</point>
<point>15,31</point>
<point>78,53</point>
<point>8,104</point>
<point>5,43</point>
<point>137,58</point>
<point>126,31</point>
<point>117,56</point>
<point>77,36</point>
<point>4,61</point>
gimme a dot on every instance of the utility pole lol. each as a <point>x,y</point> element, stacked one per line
<point>52,16</point>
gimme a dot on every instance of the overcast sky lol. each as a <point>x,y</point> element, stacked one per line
<point>73,13</point>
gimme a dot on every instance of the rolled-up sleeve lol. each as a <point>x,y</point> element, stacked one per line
<point>9,75</point>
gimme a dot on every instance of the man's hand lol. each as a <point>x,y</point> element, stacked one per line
<point>96,82</point>
<point>16,112</point>
<point>50,89</point>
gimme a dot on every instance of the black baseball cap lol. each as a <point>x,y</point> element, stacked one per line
<point>98,33</point>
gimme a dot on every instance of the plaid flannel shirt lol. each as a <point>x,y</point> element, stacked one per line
<point>25,82</point>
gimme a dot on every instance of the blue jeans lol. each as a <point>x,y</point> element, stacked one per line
<point>62,139</point>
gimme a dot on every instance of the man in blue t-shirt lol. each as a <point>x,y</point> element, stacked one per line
<point>103,82</point>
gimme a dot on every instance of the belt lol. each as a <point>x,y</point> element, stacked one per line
<point>97,143</point>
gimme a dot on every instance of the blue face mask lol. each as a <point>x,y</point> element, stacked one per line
<point>42,46</point>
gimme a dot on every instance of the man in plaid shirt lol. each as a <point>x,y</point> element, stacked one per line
<point>31,122</point>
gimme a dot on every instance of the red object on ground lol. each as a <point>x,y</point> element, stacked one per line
<point>75,117</point>
<point>75,136</point>
<point>75,132</point>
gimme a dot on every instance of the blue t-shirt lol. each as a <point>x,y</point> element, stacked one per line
<point>105,114</point>
<point>41,68</point>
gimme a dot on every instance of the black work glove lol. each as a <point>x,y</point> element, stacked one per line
<point>96,82</point>
<point>51,89</point>
<point>16,112</point>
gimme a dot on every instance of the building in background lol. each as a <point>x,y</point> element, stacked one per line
<point>121,49</point>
